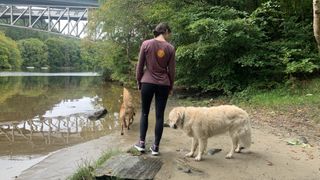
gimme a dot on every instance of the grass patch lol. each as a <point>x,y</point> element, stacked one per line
<point>280,98</point>
<point>85,170</point>
<point>297,93</point>
<point>298,96</point>
<point>301,96</point>
<point>134,152</point>
<point>105,156</point>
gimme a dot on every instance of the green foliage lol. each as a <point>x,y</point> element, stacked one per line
<point>19,34</point>
<point>288,44</point>
<point>269,18</point>
<point>56,55</point>
<point>84,171</point>
<point>10,57</point>
<point>94,55</point>
<point>208,47</point>
<point>54,52</point>
<point>305,65</point>
<point>221,45</point>
<point>34,52</point>
<point>105,156</point>
<point>123,23</point>
<point>124,27</point>
<point>4,57</point>
<point>106,56</point>
<point>297,8</point>
<point>63,53</point>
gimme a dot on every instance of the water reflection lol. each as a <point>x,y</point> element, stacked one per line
<point>53,130</point>
<point>43,114</point>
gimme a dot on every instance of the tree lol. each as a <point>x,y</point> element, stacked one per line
<point>96,56</point>
<point>56,53</point>
<point>316,22</point>
<point>10,57</point>
<point>34,52</point>
<point>209,38</point>
<point>63,53</point>
<point>124,27</point>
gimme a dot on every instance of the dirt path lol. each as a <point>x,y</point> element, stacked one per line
<point>269,157</point>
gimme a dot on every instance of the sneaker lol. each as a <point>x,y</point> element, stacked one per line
<point>154,150</point>
<point>140,146</point>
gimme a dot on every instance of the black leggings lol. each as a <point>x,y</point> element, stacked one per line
<point>161,95</point>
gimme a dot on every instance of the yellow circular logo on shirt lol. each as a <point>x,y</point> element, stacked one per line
<point>161,53</point>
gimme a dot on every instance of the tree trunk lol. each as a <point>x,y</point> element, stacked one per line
<point>316,21</point>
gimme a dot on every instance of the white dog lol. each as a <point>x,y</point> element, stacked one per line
<point>200,123</point>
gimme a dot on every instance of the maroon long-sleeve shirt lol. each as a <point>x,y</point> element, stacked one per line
<point>159,59</point>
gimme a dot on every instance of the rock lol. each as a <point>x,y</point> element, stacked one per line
<point>182,150</point>
<point>213,151</point>
<point>299,141</point>
<point>116,115</point>
<point>188,170</point>
<point>269,163</point>
<point>98,114</point>
<point>183,166</point>
<point>125,166</point>
<point>303,140</point>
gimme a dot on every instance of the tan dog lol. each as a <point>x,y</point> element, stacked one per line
<point>127,110</point>
<point>200,123</point>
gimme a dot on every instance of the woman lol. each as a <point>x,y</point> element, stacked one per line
<point>158,56</point>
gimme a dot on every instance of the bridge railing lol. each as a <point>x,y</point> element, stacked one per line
<point>70,21</point>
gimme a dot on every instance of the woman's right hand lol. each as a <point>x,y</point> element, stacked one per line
<point>139,85</point>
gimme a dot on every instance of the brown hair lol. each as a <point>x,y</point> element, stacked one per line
<point>161,28</point>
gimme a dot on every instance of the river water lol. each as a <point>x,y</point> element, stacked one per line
<point>44,112</point>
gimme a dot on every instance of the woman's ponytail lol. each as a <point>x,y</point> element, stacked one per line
<point>161,28</point>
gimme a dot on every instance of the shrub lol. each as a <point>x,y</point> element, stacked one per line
<point>10,57</point>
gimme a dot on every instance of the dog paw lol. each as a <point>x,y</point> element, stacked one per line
<point>228,156</point>
<point>190,154</point>
<point>238,150</point>
<point>198,158</point>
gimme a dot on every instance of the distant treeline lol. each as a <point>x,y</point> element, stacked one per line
<point>18,51</point>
